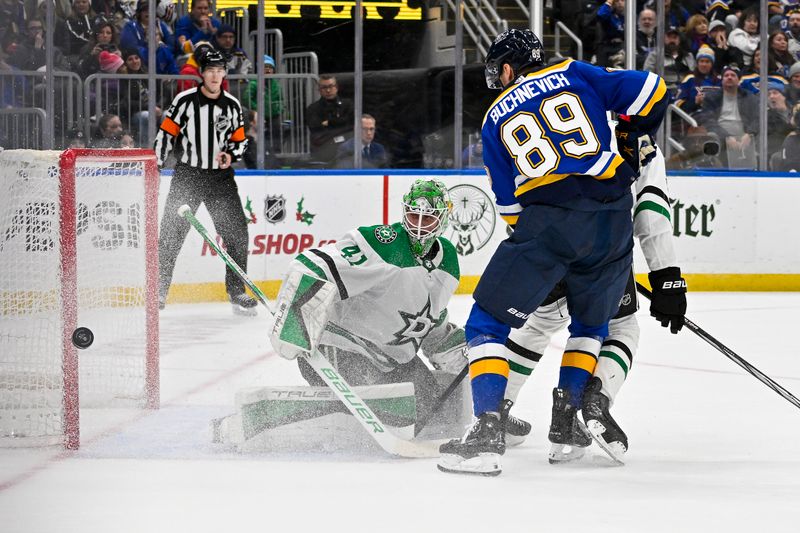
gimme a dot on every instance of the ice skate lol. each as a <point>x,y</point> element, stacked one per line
<point>479,451</point>
<point>244,305</point>
<point>602,427</point>
<point>568,435</point>
<point>516,428</point>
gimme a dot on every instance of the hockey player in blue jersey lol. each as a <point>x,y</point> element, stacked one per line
<point>547,151</point>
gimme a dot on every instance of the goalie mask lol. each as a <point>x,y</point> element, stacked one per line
<point>426,210</point>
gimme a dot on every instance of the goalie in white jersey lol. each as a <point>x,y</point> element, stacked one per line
<point>373,299</point>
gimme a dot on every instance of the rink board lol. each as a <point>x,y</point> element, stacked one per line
<point>733,231</point>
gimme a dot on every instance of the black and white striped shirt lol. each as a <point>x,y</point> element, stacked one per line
<point>199,128</point>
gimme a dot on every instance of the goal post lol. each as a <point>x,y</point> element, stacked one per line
<point>78,248</point>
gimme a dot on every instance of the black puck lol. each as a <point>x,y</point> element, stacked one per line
<point>82,338</point>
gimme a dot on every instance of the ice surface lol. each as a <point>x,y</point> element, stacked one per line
<point>712,449</point>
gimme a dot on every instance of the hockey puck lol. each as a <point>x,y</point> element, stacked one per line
<point>82,338</point>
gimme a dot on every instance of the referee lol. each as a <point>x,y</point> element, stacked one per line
<point>204,127</point>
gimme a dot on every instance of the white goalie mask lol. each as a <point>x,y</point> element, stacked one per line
<point>426,211</point>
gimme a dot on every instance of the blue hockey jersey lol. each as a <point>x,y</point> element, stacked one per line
<point>546,138</point>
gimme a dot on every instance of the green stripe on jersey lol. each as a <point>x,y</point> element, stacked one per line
<point>652,206</point>
<point>312,266</point>
<point>617,358</point>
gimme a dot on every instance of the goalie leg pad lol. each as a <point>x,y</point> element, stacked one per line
<point>304,303</point>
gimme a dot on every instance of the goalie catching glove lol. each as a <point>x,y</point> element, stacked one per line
<point>668,302</point>
<point>636,148</point>
<point>303,306</point>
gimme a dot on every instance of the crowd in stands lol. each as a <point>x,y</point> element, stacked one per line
<point>712,53</point>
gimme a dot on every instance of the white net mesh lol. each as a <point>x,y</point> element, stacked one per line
<point>111,289</point>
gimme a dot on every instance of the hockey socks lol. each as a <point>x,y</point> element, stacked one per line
<point>488,367</point>
<point>488,373</point>
<point>577,366</point>
<point>521,362</point>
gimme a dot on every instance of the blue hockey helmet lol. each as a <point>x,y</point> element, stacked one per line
<point>518,48</point>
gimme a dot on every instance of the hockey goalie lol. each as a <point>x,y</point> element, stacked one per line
<point>370,303</point>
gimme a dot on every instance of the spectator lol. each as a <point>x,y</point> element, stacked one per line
<point>645,36</point>
<point>696,32</point>
<point>30,53</point>
<point>126,140</point>
<point>250,156</point>
<point>110,11</point>
<point>104,39</point>
<point>225,42</point>
<point>694,87</point>
<point>732,114</point>
<point>793,88</point>
<point>198,25</point>
<point>724,54</point>
<point>678,62</point>
<point>109,132</point>
<point>793,32</point>
<point>134,36</point>
<point>778,119</point>
<point>75,32</point>
<point>745,37</point>
<point>675,14</point>
<point>76,139</point>
<point>717,10</point>
<point>373,155</point>
<point>611,16</point>
<point>192,68</point>
<point>165,10</point>
<point>780,59</point>
<point>330,120</point>
<point>273,104</point>
<point>472,156</point>
<point>12,17</point>
<point>134,94</point>
<point>789,158</point>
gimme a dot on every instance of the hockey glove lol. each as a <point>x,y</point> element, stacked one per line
<point>635,147</point>
<point>303,306</point>
<point>450,353</point>
<point>668,302</point>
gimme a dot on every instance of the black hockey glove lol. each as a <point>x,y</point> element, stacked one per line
<point>635,147</point>
<point>668,302</point>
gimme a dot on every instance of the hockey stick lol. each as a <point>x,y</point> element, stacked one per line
<point>420,425</point>
<point>385,438</point>
<point>730,354</point>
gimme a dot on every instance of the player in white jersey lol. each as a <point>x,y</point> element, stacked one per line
<point>525,346</point>
<point>373,299</point>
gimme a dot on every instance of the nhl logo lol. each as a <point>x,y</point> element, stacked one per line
<point>275,209</point>
<point>385,234</point>
<point>626,299</point>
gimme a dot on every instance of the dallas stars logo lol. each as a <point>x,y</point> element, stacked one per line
<point>416,327</point>
<point>304,216</point>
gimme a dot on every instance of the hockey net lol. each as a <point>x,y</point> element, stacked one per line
<point>78,248</point>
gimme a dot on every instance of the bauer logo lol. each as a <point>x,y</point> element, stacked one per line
<point>275,209</point>
<point>692,220</point>
<point>472,220</point>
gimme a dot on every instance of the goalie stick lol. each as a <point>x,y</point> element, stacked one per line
<point>730,354</point>
<point>385,439</point>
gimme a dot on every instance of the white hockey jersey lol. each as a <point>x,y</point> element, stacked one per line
<point>389,303</point>
<point>652,223</point>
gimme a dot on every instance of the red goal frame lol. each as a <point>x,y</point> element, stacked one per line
<point>69,273</point>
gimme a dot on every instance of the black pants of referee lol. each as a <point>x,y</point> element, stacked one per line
<point>218,191</point>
